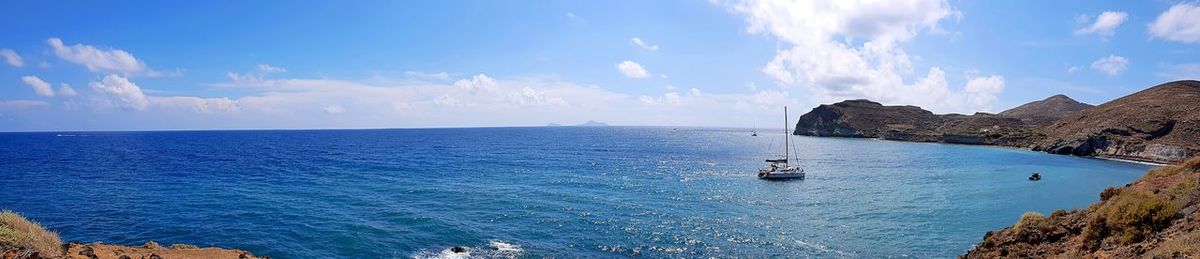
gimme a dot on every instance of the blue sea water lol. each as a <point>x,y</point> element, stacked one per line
<point>533,192</point>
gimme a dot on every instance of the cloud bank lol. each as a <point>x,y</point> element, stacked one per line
<point>852,49</point>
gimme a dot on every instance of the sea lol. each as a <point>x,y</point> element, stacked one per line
<point>533,192</point>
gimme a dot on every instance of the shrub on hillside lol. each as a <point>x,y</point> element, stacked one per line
<point>1130,216</point>
<point>1034,228</point>
<point>1108,193</point>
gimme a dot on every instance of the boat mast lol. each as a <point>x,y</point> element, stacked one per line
<point>786,157</point>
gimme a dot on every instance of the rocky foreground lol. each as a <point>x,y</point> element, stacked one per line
<point>1160,124</point>
<point>1154,217</point>
<point>24,239</point>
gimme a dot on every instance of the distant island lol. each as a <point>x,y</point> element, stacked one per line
<point>1160,124</point>
<point>589,123</point>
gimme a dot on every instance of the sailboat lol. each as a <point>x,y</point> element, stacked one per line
<point>780,169</point>
<point>754,131</point>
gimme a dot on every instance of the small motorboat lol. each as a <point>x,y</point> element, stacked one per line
<point>779,169</point>
<point>1035,177</point>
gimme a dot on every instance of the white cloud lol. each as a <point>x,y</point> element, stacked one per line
<point>632,69</point>
<point>244,78</point>
<point>12,58</point>
<point>195,104</point>
<point>572,18</point>
<point>96,59</point>
<point>334,109</point>
<point>480,82</point>
<point>640,43</point>
<point>265,68</point>
<point>23,105</point>
<point>1180,23</point>
<point>1072,69</point>
<point>850,49</point>
<point>530,97</point>
<point>446,100</point>
<point>423,75</point>
<point>1105,24</point>
<point>670,98</point>
<point>982,91</point>
<point>105,60</point>
<point>1111,65</point>
<point>478,100</point>
<point>260,72</point>
<point>120,92</point>
<point>40,87</point>
<point>65,89</point>
<point>115,91</point>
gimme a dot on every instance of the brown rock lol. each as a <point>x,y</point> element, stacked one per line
<point>867,119</point>
<point>103,251</point>
<point>1159,124</point>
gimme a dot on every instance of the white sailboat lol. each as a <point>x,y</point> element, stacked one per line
<point>780,169</point>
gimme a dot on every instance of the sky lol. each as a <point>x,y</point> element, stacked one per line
<point>179,65</point>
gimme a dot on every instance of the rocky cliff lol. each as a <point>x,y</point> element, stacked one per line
<point>867,119</point>
<point>1160,124</point>
<point>1157,216</point>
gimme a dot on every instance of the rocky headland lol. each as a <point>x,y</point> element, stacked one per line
<point>1160,124</point>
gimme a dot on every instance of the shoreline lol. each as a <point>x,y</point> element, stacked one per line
<point>1118,159</point>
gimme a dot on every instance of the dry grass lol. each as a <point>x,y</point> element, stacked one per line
<point>1060,213</point>
<point>1189,166</point>
<point>1108,193</point>
<point>1034,228</point>
<point>1185,244</point>
<point>184,246</point>
<point>1030,221</point>
<point>18,231</point>
<point>1131,217</point>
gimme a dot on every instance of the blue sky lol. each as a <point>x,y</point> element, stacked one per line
<point>379,64</point>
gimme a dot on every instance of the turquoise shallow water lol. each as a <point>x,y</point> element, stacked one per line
<point>533,192</point>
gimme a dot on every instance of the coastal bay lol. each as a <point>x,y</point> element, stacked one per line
<point>543,191</point>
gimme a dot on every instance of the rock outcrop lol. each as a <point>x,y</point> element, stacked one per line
<point>103,251</point>
<point>1159,124</point>
<point>867,119</point>
<point>1157,216</point>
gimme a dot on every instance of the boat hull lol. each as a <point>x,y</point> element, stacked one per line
<point>780,175</point>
